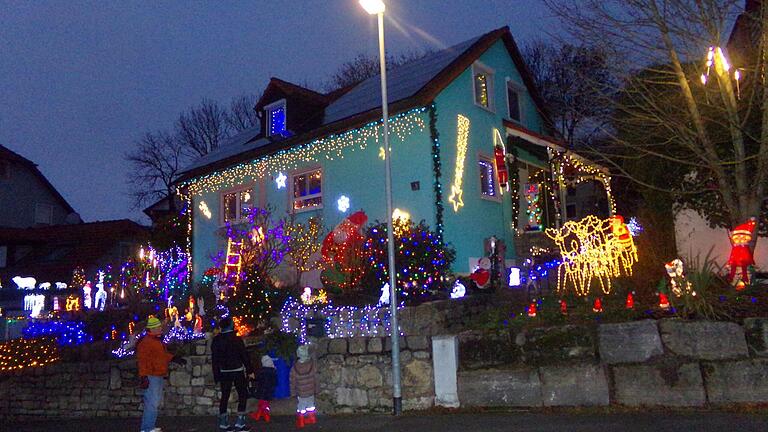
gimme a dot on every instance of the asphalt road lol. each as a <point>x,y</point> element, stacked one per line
<point>657,421</point>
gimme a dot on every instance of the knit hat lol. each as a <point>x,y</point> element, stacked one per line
<point>153,322</point>
<point>303,353</point>
<point>266,361</point>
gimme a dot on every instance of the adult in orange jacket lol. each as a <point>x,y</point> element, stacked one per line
<point>153,359</point>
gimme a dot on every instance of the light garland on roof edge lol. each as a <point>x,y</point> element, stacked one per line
<point>329,148</point>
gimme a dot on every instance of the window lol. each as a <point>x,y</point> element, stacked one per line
<point>308,190</point>
<point>235,205</point>
<point>482,80</point>
<point>43,214</point>
<point>276,118</point>
<point>487,178</point>
<point>5,170</point>
<point>513,101</point>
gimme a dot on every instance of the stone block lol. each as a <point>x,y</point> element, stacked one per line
<point>418,342</point>
<point>337,346</point>
<point>321,347</point>
<point>375,345</point>
<point>197,382</point>
<point>369,376</point>
<point>351,397</point>
<point>756,330</point>
<point>417,378</point>
<point>482,350</point>
<point>631,342</point>
<point>574,385</point>
<point>388,343</point>
<point>179,378</point>
<point>706,340</point>
<point>742,381</point>
<point>659,385</point>
<point>550,345</point>
<point>421,355</point>
<point>357,345</point>
<point>203,401</point>
<point>200,350</point>
<point>489,388</point>
<point>197,371</point>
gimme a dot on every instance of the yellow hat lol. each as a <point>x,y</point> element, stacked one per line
<point>153,323</point>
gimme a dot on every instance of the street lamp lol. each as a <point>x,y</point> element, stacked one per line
<point>376,7</point>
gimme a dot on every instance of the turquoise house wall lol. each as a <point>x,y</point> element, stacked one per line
<point>479,218</point>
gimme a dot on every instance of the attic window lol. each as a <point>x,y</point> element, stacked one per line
<point>276,118</point>
<point>482,82</point>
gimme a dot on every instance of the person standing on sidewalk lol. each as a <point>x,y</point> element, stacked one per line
<point>231,363</point>
<point>153,359</point>
<point>265,383</point>
<point>304,385</point>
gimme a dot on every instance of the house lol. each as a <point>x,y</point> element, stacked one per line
<point>27,198</point>
<point>472,154</point>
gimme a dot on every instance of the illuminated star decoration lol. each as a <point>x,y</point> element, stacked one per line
<point>635,228</point>
<point>462,137</point>
<point>280,180</point>
<point>343,203</point>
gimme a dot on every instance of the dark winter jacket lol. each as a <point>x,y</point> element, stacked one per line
<point>265,383</point>
<point>304,381</point>
<point>228,354</point>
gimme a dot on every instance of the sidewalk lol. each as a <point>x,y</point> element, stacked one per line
<point>656,421</point>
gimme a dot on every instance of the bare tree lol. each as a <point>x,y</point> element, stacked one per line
<point>363,67</point>
<point>241,114</point>
<point>202,128</point>
<point>575,83</point>
<point>155,162</point>
<point>680,89</point>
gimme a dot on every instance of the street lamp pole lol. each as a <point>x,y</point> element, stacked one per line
<point>377,7</point>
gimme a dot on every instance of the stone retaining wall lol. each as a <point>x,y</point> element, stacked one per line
<point>644,363</point>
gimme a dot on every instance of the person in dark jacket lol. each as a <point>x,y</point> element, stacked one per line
<point>231,363</point>
<point>265,383</point>
<point>304,385</point>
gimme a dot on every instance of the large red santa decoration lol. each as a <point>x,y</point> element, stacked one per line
<point>741,253</point>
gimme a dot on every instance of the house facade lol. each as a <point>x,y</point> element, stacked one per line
<point>472,155</point>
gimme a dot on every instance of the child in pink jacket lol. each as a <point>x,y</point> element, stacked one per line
<point>304,385</point>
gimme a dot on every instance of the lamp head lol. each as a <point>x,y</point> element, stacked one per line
<point>373,7</point>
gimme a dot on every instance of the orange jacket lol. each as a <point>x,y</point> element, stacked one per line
<point>152,356</point>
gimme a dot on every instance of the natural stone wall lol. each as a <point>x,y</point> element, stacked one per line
<point>644,363</point>
<point>356,374</point>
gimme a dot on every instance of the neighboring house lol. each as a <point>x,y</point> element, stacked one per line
<point>51,254</point>
<point>459,117</point>
<point>27,198</point>
<point>163,208</point>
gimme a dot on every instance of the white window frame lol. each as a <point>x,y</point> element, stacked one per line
<point>239,216</point>
<point>43,207</point>
<point>479,67</point>
<point>292,198</point>
<point>520,90</point>
<point>272,106</point>
<point>481,157</point>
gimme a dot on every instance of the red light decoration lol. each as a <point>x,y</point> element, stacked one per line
<point>532,309</point>
<point>630,301</point>
<point>563,307</point>
<point>663,301</point>
<point>741,254</point>
<point>597,307</point>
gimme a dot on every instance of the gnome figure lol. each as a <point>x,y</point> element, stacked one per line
<point>741,253</point>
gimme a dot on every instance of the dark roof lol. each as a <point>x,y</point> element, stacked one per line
<point>6,153</point>
<point>57,250</point>
<point>413,84</point>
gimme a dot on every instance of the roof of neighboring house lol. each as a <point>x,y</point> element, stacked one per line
<point>413,84</point>
<point>57,250</point>
<point>6,153</point>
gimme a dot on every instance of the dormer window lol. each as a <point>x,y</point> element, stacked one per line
<point>482,85</point>
<point>276,118</point>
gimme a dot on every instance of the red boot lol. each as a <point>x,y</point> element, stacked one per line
<point>256,416</point>
<point>311,418</point>
<point>300,420</point>
<point>266,412</point>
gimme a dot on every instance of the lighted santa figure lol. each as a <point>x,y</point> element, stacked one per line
<point>741,253</point>
<point>482,273</point>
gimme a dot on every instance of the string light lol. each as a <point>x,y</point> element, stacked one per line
<point>593,248</point>
<point>437,170</point>
<point>22,353</point>
<point>204,209</point>
<point>67,333</point>
<point>462,137</point>
<point>572,170</point>
<point>327,148</point>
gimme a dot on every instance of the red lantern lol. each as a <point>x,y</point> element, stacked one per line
<point>630,301</point>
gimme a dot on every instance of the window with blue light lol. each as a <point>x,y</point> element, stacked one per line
<point>487,178</point>
<point>276,118</point>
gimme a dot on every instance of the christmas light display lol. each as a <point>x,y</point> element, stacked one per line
<point>401,221</point>
<point>741,253</point>
<point>22,353</point>
<point>87,300</point>
<point>35,304</point>
<point>67,333</point>
<point>73,303</point>
<point>533,211</point>
<point>514,277</point>
<point>308,298</point>
<point>500,160</point>
<point>593,248</point>
<point>242,328</point>
<point>25,283</point>
<point>676,272</point>
<point>459,290</point>
<point>437,164</point>
<point>385,294</point>
<point>420,259</point>
<point>45,286</point>
<point>634,227</point>
<point>78,277</point>
<point>203,207</point>
<point>630,303</point>
<point>462,138</point>
<point>280,180</point>
<point>572,170</point>
<point>304,244</point>
<point>382,153</point>
<point>663,301</point>
<point>531,309</point>
<point>597,306</point>
<point>61,286</point>
<point>101,295</point>
<point>327,148</point>
<point>342,250</point>
<point>343,203</point>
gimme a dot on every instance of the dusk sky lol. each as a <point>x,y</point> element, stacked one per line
<point>81,81</point>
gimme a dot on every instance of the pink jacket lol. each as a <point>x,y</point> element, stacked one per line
<point>304,380</point>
